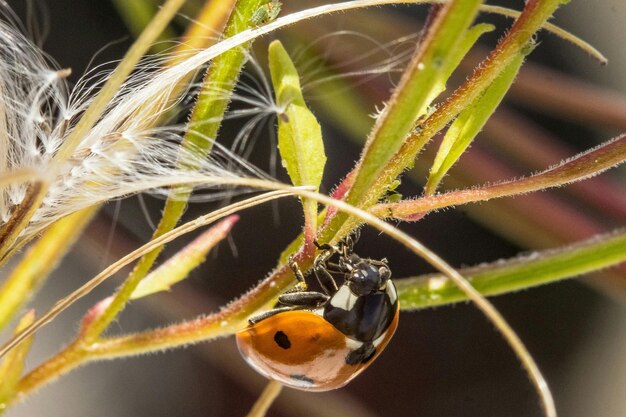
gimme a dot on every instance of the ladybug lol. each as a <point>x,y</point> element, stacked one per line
<point>319,341</point>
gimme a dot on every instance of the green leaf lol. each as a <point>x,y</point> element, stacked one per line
<point>470,122</point>
<point>301,146</point>
<point>178,267</point>
<point>13,364</point>
<point>299,134</point>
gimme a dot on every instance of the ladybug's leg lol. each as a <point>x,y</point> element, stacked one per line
<point>301,286</point>
<point>325,279</point>
<point>326,248</point>
<point>382,262</point>
<point>303,299</point>
<point>263,316</point>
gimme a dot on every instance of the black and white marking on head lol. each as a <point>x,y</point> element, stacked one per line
<point>343,299</point>
<point>364,318</point>
<point>282,340</point>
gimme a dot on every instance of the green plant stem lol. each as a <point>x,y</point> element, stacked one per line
<point>578,168</point>
<point>41,259</point>
<point>516,274</point>
<point>530,21</point>
<point>264,402</point>
<point>469,123</point>
<point>70,358</point>
<point>415,293</point>
<point>82,349</point>
<point>205,121</point>
<point>219,81</point>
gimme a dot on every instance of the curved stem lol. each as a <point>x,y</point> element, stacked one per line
<point>265,401</point>
<point>239,310</point>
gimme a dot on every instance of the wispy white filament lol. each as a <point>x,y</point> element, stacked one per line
<point>124,152</point>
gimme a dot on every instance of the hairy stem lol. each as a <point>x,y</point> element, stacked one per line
<point>430,62</point>
<point>516,274</point>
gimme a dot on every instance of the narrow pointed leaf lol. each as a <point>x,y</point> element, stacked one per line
<point>470,122</point>
<point>460,50</point>
<point>299,134</point>
<point>178,267</point>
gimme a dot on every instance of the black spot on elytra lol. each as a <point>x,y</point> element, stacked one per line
<point>302,378</point>
<point>282,340</point>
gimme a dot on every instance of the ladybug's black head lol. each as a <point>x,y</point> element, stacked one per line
<point>367,276</point>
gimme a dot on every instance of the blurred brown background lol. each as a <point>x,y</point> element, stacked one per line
<point>443,362</point>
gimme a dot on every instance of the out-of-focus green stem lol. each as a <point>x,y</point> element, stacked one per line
<point>264,402</point>
<point>117,78</point>
<point>39,261</point>
<point>13,364</point>
<point>137,14</point>
<point>513,275</point>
